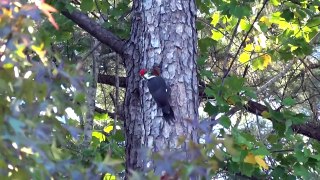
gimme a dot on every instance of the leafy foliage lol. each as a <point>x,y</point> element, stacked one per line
<point>39,138</point>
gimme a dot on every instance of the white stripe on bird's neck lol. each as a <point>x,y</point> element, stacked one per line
<point>148,76</point>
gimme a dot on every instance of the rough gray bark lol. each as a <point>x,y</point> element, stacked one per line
<point>163,33</point>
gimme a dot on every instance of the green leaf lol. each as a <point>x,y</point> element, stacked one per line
<point>16,125</point>
<point>225,121</point>
<point>205,44</point>
<point>21,174</point>
<point>202,60</point>
<point>273,138</point>
<point>288,101</point>
<point>299,118</point>
<point>278,172</point>
<point>248,136</point>
<point>199,25</point>
<point>300,156</point>
<point>262,150</point>
<point>247,169</point>
<point>240,11</point>
<point>264,28</point>
<point>234,83</point>
<point>314,21</point>
<point>87,5</point>
<point>288,127</point>
<point>287,15</point>
<point>119,136</point>
<point>210,109</point>
<point>258,63</point>
<point>279,127</point>
<point>79,98</point>
<point>57,153</point>
<point>248,91</point>
<point>300,170</point>
<point>206,73</point>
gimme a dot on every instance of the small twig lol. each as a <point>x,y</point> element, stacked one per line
<point>277,77</point>
<point>99,10</point>
<point>283,150</point>
<point>116,105</point>
<point>244,39</point>
<point>305,64</point>
<point>112,98</point>
<point>90,52</point>
<point>229,47</point>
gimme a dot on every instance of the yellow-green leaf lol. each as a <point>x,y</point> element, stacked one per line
<point>109,176</point>
<point>39,50</point>
<point>257,48</point>
<point>249,47</point>
<point>260,161</point>
<point>108,129</point>
<point>292,47</point>
<point>284,25</point>
<point>216,35</point>
<point>99,136</point>
<point>266,60</point>
<point>275,2</point>
<point>265,20</point>
<point>215,18</point>
<point>20,51</point>
<point>250,159</point>
<point>265,114</point>
<point>244,25</point>
<point>244,57</point>
<point>8,66</point>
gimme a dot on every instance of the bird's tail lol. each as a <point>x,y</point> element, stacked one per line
<point>168,114</point>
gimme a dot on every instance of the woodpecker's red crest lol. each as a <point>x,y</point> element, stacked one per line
<point>142,72</point>
<point>156,71</point>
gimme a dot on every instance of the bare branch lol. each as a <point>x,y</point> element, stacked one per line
<point>275,78</point>
<point>96,30</point>
<point>111,80</point>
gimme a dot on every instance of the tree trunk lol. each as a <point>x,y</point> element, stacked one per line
<point>91,96</point>
<point>162,33</point>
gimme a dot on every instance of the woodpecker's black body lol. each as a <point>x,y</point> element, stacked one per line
<point>161,94</point>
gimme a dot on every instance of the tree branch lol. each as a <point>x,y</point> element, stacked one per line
<point>111,80</point>
<point>110,114</point>
<point>96,30</point>
<point>277,77</point>
<point>308,130</point>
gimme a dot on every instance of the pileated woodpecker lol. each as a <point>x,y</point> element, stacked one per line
<point>160,92</point>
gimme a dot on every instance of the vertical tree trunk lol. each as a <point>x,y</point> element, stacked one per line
<point>163,33</point>
<point>91,96</point>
